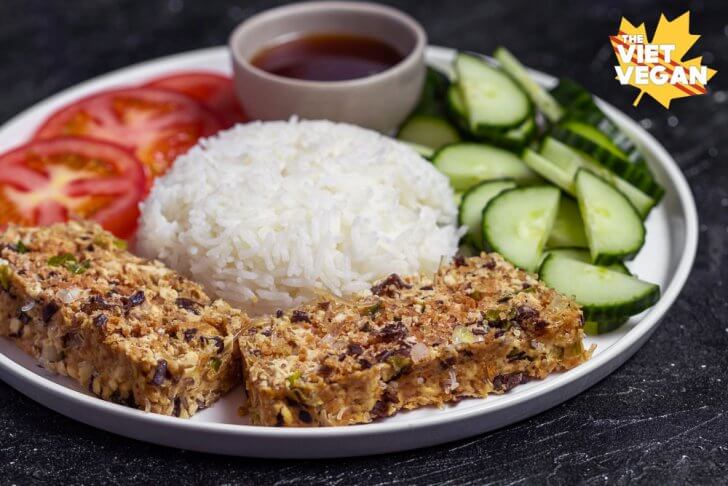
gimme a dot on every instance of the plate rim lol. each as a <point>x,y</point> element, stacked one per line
<point>561,387</point>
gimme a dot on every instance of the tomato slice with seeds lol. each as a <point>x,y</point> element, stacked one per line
<point>51,181</point>
<point>157,124</point>
<point>215,91</point>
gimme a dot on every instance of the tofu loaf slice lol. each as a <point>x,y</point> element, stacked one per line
<point>129,330</point>
<point>478,326</point>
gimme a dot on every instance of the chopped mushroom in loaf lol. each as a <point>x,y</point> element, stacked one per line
<point>478,326</point>
<point>129,330</point>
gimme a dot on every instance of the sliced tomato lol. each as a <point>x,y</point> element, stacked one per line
<point>157,124</point>
<point>51,181</point>
<point>214,91</point>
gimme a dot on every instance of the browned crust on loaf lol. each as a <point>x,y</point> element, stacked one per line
<point>478,326</point>
<point>127,329</point>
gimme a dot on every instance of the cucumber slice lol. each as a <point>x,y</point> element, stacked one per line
<point>540,97</point>
<point>619,267</point>
<point>518,137</point>
<point>568,227</point>
<point>614,229</point>
<point>588,132</point>
<point>515,138</point>
<point>473,203</point>
<point>594,117</point>
<point>603,294</point>
<point>467,164</point>
<point>560,153</point>
<point>572,96</point>
<point>597,145</point>
<point>425,152</point>
<point>492,99</point>
<point>456,107</point>
<point>427,130</point>
<point>569,161</point>
<point>583,255</point>
<point>641,201</point>
<point>578,254</point>
<point>432,99</point>
<point>562,177</point>
<point>604,326</point>
<point>580,105</point>
<point>517,222</point>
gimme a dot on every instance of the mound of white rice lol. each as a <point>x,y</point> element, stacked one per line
<point>268,215</point>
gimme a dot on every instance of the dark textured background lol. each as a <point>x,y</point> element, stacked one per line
<point>661,418</point>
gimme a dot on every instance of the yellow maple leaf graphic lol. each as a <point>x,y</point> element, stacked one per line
<point>675,35</point>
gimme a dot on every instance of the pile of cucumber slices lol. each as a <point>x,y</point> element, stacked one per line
<point>544,178</point>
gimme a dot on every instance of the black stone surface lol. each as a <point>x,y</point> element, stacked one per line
<point>660,418</point>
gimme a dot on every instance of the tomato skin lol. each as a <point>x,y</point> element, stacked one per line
<point>51,181</point>
<point>213,90</point>
<point>156,124</point>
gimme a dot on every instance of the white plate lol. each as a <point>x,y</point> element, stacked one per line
<point>667,257</point>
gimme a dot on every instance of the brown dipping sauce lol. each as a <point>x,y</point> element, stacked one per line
<point>327,57</point>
